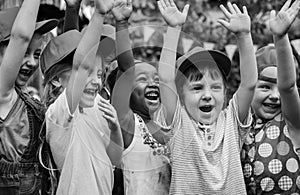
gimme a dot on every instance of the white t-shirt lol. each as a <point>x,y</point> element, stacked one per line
<point>207,162</point>
<point>78,143</point>
<point>146,170</point>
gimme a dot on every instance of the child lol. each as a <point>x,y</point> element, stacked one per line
<point>84,141</point>
<point>136,97</point>
<point>21,117</point>
<point>205,142</point>
<point>269,156</point>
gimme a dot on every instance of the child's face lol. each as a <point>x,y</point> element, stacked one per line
<point>91,88</point>
<point>145,95</point>
<point>266,101</point>
<point>30,60</point>
<point>204,99</point>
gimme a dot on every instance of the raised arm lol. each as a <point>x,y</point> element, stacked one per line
<point>121,94</point>
<point>175,19</point>
<point>286,71</point>
<point>72,15</point>
<point>21,34</point>
<point>239,23</point>
<point>85,55</point>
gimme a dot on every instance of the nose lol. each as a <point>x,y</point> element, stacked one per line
<point>275,95</point>
<point>206,96</point>
<point>30,61</point>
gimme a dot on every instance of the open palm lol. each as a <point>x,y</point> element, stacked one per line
<point>171,14</point>
<point>280,23</point>
<point>122,9</point>
<point>238,22</point>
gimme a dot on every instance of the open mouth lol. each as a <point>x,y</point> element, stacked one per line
<point>152,95</point>
<point>91,92</point>
<point>206,108</point>
<point>271,106</point>
<point>25,72</point>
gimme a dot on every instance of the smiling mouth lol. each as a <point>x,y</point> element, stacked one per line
<point>206,108</point>
<point>25,72</point>
<point>152,95</point>
<point>91,92</point>
<point>271,106</point>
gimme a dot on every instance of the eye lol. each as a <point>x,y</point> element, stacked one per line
<point>141,79</point>
<point>197,87</point>
<point>156,79</point>
<point>217,87</point>
<point>264,87</point>
<point>37,54</point>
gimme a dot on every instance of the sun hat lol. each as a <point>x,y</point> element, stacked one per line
<point>8,16</point>
<point>199,54</point>
<point>56,51</point>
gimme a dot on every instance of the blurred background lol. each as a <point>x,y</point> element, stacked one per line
<point>201,29</point>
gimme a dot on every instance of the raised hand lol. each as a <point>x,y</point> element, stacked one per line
<point>109,113</point>
<point>73,3</point>
<point>171,14</point>
<point>238,22</point>
<point>104,6</point>
<point>280,23</point>
<point>122,9</point>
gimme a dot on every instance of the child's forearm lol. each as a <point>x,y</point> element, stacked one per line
<point>115,147</point>
<point>89,43</point>
<point>167,61</point>
<point>21,34</point>
<point>124,51</point>
<point>248,68</point>
<point>286,65</point>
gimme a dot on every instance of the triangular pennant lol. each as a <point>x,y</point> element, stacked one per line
<point>230,49</point>
<point>148,31</point>
<point>187,44</point>
<point>208,45</point>
<point>296,44</point>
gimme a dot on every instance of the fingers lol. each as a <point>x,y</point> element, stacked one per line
<point>160,7</point>
<point>231,9</point>
<point>245,11</point>
<point>167,2</point>
<point>223,23</point>
<point>237,9</point>
<point>225,11</point>
<point>186,10</point>
<point>163,4</point>
<point>286,5</point>
<point>272,15</point>
<point>172,3</point>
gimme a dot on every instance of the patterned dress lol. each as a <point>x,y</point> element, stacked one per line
<point>270,163</point>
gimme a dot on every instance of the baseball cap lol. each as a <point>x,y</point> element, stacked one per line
<point>8,16</point>
<point>56,51</point>
<point>266,57</point>
<point>199,54</point>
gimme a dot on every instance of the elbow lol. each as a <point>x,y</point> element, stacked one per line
<point>286,87</point>
<point>21,34</point>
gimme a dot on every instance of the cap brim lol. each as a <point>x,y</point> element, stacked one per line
<point>198,56</point>
<point>45,26</point>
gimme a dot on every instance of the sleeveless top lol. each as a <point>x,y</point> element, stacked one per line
<point>269,162</point>
<point>145,166</point>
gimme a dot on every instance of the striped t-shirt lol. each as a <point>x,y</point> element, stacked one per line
<point>207,162</point>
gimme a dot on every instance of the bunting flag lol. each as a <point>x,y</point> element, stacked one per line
<point>187,44</point>
<point>148,31</point>
<point>296,44</point>
<point>208,45</point>
<point>230,49</point>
